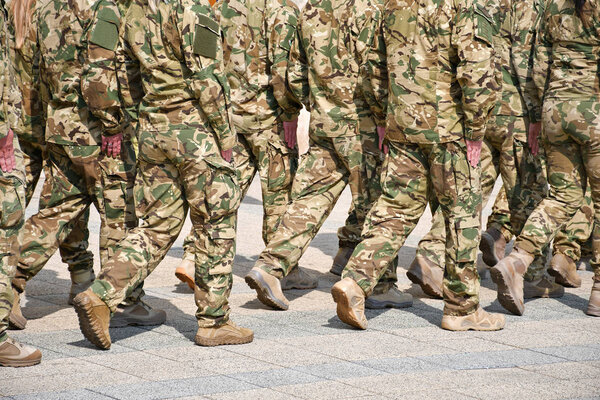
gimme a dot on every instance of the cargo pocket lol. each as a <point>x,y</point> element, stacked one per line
<point>12,202</point>
<point>283,164</point>
<point>221,193</point>
<point>116,191</point>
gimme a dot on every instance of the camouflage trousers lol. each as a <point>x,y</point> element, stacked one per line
<point>179,169</point>
<point>323,172</point>
<point>572,145</point>
<point>568,241</point>
<point>74,250</point>
<point>414,175</point>
<point>12,217</point>
<point>76,177</point>
<point>276,164</point>
<point>502,154</point>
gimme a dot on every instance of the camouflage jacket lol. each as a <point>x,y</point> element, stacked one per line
<point>331,47</point>
<point>567,53</point>
<point>440,74</point>
<point>181,63</point>
<point>514,22</point>
<point>11,98</point>
<point>258,35</point>
<point>30,127</point>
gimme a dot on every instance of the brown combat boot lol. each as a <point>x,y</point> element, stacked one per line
<point>393,298</point>
<point>137,314</point>
<point>508,276</point>
<point>594,304</point>
<point>228,333</point>
<point>341,259</point>
<point>268,289</point>
<point>480,320</point>
<point>564,270</point>
<point>94,318</point>
<point>80,281</point>
<point>427,275</point>
<point>542,288</point>
<point>492,246</point>
<point>16,320</point>
<point>298,278</point>
<point>15,354</point>
<point>185,273</point>
<point>350,300</point>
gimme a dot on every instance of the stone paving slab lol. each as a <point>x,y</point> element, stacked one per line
<point>551,352</point>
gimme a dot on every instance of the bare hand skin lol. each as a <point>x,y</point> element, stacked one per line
<point>111,145</point>
<point>381,134</point>
<point>474,152</point>
<point>227,155</point>
<point>533,137</point>
<point>7,152</point>
<point>290,129</point>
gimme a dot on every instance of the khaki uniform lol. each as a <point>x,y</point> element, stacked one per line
<point>426,130</point>
<point>183,126</point>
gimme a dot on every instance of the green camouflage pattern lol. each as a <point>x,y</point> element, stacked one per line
<point>564,76</point>
<point>414,175</point>
<point>12,184</point>
<point>180,167</point>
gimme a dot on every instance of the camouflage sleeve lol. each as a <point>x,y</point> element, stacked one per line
<point>541,63</point>
<point>475,70</point>
<point>130,77</point>
<point>282,27</point>
<point>524,32</point>
<point>297,72</point>
<point>11,96</point>
<point>202,50</point>
<point>99,81</point>
<point>375,76</point>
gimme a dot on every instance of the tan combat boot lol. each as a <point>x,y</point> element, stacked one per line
<point>594,304</point>
<point>341,259</point>
<point>298,278</point>
<point>16,320</point>
<point>268,289</point>
<point>564,271</point>
<point>427,275</point>
<point>185,273</point>
<point>80,281</point>
<point>228,333</point>
<point>393,298</point>
<point>508,276</point>
<point>492,246</point>
<point>480,320</point>
<point>137,314</point>
<point>350,300</point>
<point>94,318</point>
<point>542,288</point>
<point>15,354</point>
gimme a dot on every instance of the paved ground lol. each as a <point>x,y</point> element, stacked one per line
<point>552,352</point>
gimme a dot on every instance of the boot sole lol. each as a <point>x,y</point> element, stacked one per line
<point>427,287</point>
<point>263,291</point>
<point>593,311</point>
<point>299,287</point>
<point>220,342</point>
<point>544,295</point>
<point>468,326</point>
<point>122,323</point>
<point>487,245</point>
<point>344,309</point>
<point>505,297</point>
<point>15,323</point>
<point>379,305</point>
<point>562,279</point>
<point>18,364</point>
<point>337,270</point>
<point>84,313</point>
<point>185,278</point>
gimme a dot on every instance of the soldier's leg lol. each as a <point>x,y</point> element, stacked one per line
<point>499,219</point>
<point>34,163</point>
<point>576,232</point>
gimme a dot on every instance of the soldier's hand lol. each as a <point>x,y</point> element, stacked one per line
<point>533,137</point>
<point>227,155</point>
<point>474,152</point>
<point>111,145</point>
<point>381,134</point>
<point>290,130</point>
<point>7,152</point>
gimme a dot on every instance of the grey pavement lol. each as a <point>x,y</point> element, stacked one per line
<point>552,352</point>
